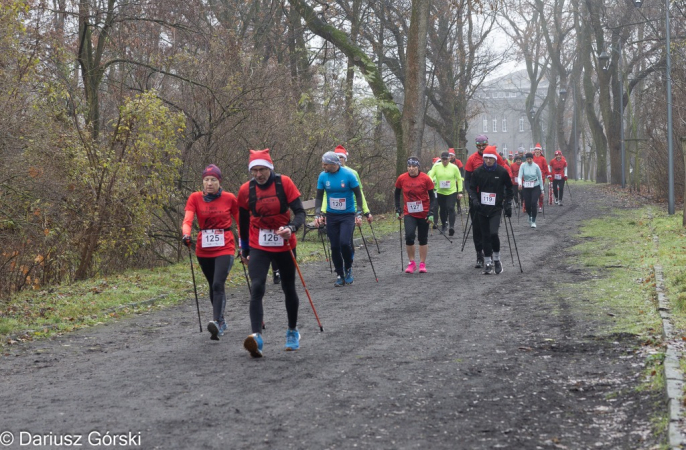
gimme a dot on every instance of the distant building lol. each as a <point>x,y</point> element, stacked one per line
<point>499,112</point>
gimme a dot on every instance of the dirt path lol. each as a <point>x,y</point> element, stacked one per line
<point>444,360</point>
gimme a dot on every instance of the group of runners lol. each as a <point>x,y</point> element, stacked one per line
<point>268,211</point>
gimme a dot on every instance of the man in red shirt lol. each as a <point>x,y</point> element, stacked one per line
<point>419,205</point>
<point>541,162</point>
<point>267,235</point>
<point>558,171</point>
<point>514,167</point>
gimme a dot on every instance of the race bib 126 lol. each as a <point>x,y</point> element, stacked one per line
<point>269,238</point>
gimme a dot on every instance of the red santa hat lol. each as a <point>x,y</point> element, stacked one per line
<point>490,152</point>
<point>435,160</point>
<point>341,151</point>
<point>451,151</point>
<point>260,158</point>
<point>538,146</point>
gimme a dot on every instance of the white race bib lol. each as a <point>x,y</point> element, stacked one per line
<point>444,184</point>
<point>337,204</point>
<point>415,207</point>
<point>269,238</point>
<point>558,176</point>
<point>529,184</point>
<point>487,199</point>
<point>212,238</point>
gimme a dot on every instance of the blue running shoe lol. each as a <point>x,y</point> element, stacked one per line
<point>340,282</point>
<point>213,328</point>
<point>349,276</point>
<point>223,327</point>
<point>253,344</point>
<point>292,339</point>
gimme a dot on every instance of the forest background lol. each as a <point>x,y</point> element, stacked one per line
<point>111,108</point>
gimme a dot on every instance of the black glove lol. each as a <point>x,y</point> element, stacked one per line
<point>476,204</point>
<point>187,240</point>
<point>508,210</point>
<point>244,252</point>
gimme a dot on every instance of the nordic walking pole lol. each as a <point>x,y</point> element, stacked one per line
<point>364,241</point>
<point>400,234</point>
<point>326,255</point>
<point>466,233</point>
<point>515,244</point>
<point>288,244</point>
<point>195,289</point>
<point>374,236</point>
<point>508,239</point>
<point>443,234</point>
<point>568,189</point>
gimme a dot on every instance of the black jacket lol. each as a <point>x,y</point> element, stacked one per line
<point>497,182</point>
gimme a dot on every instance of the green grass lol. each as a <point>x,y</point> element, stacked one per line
<point>57,309</point>
<point>619,250</point>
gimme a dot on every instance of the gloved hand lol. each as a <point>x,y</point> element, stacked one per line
<point>549,177</point>
<point>564,177</point>
<point>430,219</point>
<point>243,254</point>
<point>476,204</point>
<point>187,240</point>
<point>508,210</point>
<point>397,215</point>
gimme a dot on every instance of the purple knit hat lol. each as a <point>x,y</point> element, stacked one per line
<point>213,171</point>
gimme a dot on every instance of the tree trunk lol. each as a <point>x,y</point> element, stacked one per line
<point>415,83</point>
<point>366,65</point>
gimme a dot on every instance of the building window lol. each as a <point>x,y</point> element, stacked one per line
<point>521,124</point>
<point>495,125</point>
<point>513,94</point>
<point>484,126</point>
<point>504,130</point>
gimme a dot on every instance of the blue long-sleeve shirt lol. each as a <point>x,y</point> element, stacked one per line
<point>529,172</point>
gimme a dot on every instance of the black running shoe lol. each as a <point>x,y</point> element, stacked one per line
<point>479,260</point>
<point>498,267</point>
<point>451,232</point>
<point>277,277</point>
<point>488,269</point>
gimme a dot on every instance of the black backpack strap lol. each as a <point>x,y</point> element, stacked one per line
<point>280,194</point>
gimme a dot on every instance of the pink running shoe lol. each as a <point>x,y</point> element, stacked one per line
<point>411,267</point>
<point>422,267</point>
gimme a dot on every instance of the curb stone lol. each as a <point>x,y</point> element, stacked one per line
<point>674,381</point>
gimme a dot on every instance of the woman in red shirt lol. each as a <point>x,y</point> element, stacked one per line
<point>215,247</point>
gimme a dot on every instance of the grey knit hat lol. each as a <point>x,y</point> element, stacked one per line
<point>331,158</point>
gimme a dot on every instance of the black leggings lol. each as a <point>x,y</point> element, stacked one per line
<point>411,225</point>
<point>216,270</point>
<point>531,196</point>
<point>258,267</point>
<point>488,227</point>
<point>476,231</point>
<point>558,189</point>
<point>446,205</point>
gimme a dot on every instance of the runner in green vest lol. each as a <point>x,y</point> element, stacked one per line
<point>448,182</point>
